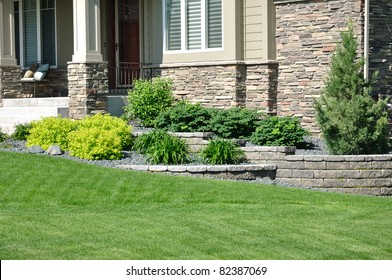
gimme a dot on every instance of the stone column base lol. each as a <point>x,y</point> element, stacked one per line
<point>10,85</point>
<point>87,88</point>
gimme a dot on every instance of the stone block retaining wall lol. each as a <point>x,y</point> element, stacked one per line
<point>251,172</point>
<point>363,174</point>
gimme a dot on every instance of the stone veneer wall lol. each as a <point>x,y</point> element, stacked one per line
<point>224,84</point>
<point>88,88</point>
<point>306,36</point>
<point>9,81</point>
<point>380,35</point>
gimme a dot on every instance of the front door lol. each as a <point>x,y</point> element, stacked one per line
<point>124,43</point>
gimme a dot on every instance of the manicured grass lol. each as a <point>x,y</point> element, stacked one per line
<point>53,208</point>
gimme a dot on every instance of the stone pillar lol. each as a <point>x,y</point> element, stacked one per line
<point>87,73</point>
<point>9,71</point>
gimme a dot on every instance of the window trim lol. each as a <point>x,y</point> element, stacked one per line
<point>39,34</point>
<point>204,31</point>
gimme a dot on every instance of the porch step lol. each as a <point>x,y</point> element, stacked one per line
<point>16,111</point>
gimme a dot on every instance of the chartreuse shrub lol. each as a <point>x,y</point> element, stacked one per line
<point>148,99</point>
<point>161,147</point>
<point>100,137</point>
<point>22,130</point>
<point>222,151</point>
<point>184,117</point>
<point>350,120</point>
<point>279,131</point>
<point>234,122</point>
<point>49,131</point>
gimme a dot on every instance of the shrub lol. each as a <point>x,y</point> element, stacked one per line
<point>95,144</point>
<point>148,99</point>
<point>22,130</point>
<point>349,119</point>
<point>222,151</point>
<point>161,147</point>
<point>279,131</point>
<point>184,117</point>
<point>234,122</point>
<point>100,137</point>
<point>49,131</point>
<point>3,136</point>
<point>110,123</point>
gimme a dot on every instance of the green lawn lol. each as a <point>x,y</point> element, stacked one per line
<point>53,208</point>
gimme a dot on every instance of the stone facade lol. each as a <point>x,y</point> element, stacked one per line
<point>306,36</point>
<point>225,84</point>
<point>380,36</point>
<point>87,88</point>
<point>9,81</point>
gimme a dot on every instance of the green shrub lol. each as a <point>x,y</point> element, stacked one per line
<point>222,151</point>
<point>3,136</point>
<point>49,131</point>
<point>161,147</point>
<point>279,131</point>
<point>234,122</point>
<point>350,120</point>
<point>22,130</point>
<point>148,99</point>
<point>95,144</point>
<point>100,137</point>
<point>184,117</point>
<point>109,123</point>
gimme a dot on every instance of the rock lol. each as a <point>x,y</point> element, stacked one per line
<point>55,150</point>
<point>35,149</point>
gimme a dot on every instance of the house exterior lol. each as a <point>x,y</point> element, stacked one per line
<point>266,54</point>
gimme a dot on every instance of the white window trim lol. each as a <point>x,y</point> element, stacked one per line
<point>21,33</point>
<point>204,40</point>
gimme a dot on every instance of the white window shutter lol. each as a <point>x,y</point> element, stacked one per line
<point>214,23</point>
<point>194,23</point>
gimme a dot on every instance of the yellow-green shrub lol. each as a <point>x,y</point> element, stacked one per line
<point>95,143</point>
<point>100,137</point>
<point>110,123</point>
<point>49,131</point>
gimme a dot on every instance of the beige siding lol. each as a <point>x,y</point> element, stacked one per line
<point>64,33</point>
<point>259,28</point>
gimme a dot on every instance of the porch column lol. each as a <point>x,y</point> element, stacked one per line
<point>87,72</point>
<point>9,71</point>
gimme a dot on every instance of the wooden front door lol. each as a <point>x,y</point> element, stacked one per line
<point>123,43</point>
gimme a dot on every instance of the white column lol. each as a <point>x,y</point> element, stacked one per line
<point>87,31</point>
<point>7,35</point>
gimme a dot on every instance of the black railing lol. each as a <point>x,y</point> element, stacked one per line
<point>123,74</point>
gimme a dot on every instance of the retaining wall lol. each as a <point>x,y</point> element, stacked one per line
<point>363,174</point>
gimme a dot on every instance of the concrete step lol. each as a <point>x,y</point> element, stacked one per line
<point>11,116</point>
<point>36,102</point>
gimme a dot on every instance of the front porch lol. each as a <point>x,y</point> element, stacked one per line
<point>91,61</point>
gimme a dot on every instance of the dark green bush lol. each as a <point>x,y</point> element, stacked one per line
<point>222,151</point>
<point>184,117</point>
<point>161,147</point>
<point>148,99</point>
<point>279,131</point>
<point>350,120</point>
<point>3,136</point>
<point>22,130</point>
<point>100,137</point>
<point>234,122</point>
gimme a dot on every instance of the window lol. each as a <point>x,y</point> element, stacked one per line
<point>35,31</point>
<point>193,24</point>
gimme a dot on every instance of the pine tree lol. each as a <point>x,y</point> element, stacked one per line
<point>350,120</point>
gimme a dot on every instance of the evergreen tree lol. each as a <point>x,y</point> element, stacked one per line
<point>350,120</point>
